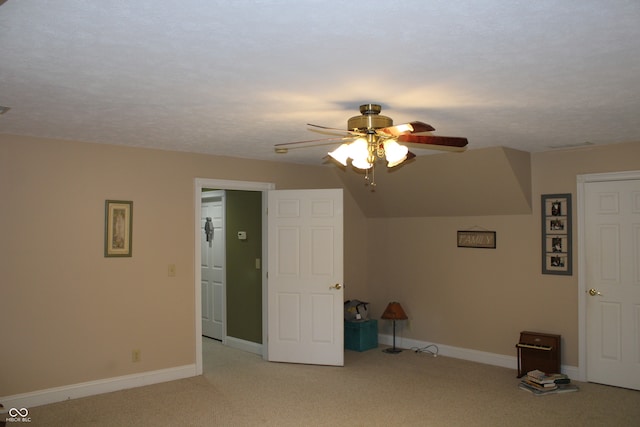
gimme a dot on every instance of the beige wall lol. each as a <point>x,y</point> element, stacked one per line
<point>69,315</point>
<point>481,298</point>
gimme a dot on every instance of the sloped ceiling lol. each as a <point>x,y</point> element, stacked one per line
<point>489,181</point>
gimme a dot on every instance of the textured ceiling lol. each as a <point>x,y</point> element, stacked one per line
<point>236,77</point>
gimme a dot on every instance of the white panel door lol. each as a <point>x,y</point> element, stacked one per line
<point>305,277</point>
<point>612,242</point>
<point>212,265</point>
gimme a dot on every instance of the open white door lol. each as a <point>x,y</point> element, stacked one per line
<point>305,277</point>
<point>212,244</point>
<point>612,234</point>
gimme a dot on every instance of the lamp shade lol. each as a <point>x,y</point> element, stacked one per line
<point>359,153</point>
<point>394,311</point>
<point>341,154</point>
<point>394,153</point>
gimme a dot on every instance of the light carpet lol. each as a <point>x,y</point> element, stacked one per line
<point>372,389</point>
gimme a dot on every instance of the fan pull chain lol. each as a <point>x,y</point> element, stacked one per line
<point>373,177</point>
<point>370,181</point>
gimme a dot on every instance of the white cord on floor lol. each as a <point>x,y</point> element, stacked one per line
<point>427,349</point>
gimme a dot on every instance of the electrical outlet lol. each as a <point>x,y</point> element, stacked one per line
<point>171,271</point>
<point>135,356</point>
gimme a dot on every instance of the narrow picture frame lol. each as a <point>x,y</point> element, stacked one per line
<point>118,228</point>
<point>556,234</point>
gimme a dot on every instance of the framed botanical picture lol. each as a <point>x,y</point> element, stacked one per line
<point>556,234</point>
<point>118,227</point>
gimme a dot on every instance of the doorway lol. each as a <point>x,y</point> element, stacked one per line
<point>200,184</point>
<point>609,239</point>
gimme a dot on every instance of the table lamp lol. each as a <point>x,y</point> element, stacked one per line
<point>394,312</point>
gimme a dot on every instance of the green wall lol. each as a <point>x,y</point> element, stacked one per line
<point>244,280</point>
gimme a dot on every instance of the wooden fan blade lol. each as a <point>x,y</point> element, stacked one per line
<point>411,127</point>
<point>284,150</point>
<point>313,140</point>
<point>419,127</point>
<point>447,141</point>
<point>351,132</point>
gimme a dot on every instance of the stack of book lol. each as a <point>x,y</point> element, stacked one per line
<point>540,383</point>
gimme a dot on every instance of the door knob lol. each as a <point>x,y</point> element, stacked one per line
<point>594,293</point>
<point>336,286</point>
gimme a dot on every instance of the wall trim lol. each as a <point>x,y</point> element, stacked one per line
<point>91,388</point>
<point>504,361</point>
<point>248,346</point>
<point>223,184</point>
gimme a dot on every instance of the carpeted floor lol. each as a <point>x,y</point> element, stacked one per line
<point>372,389</point>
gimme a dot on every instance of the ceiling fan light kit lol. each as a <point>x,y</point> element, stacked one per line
<point>341,154</point>
<point>394,153</point>
<point>376,138</point>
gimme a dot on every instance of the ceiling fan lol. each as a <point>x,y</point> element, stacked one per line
<point>371,137</point>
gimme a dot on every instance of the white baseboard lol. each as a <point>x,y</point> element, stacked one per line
<point>248,346</point>
<point>90,388</point>
<point>494,359</point>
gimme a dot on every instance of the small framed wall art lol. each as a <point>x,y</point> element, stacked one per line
<point>556,234</point>
<point>477,239</point>
<point>118,228</point>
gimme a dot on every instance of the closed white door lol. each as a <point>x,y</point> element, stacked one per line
<point>305,277</point>
<point>212,266</point>
<point>612,246</point>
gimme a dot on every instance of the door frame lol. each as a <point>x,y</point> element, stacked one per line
<point>582,180</point>
<point>199,185</point>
